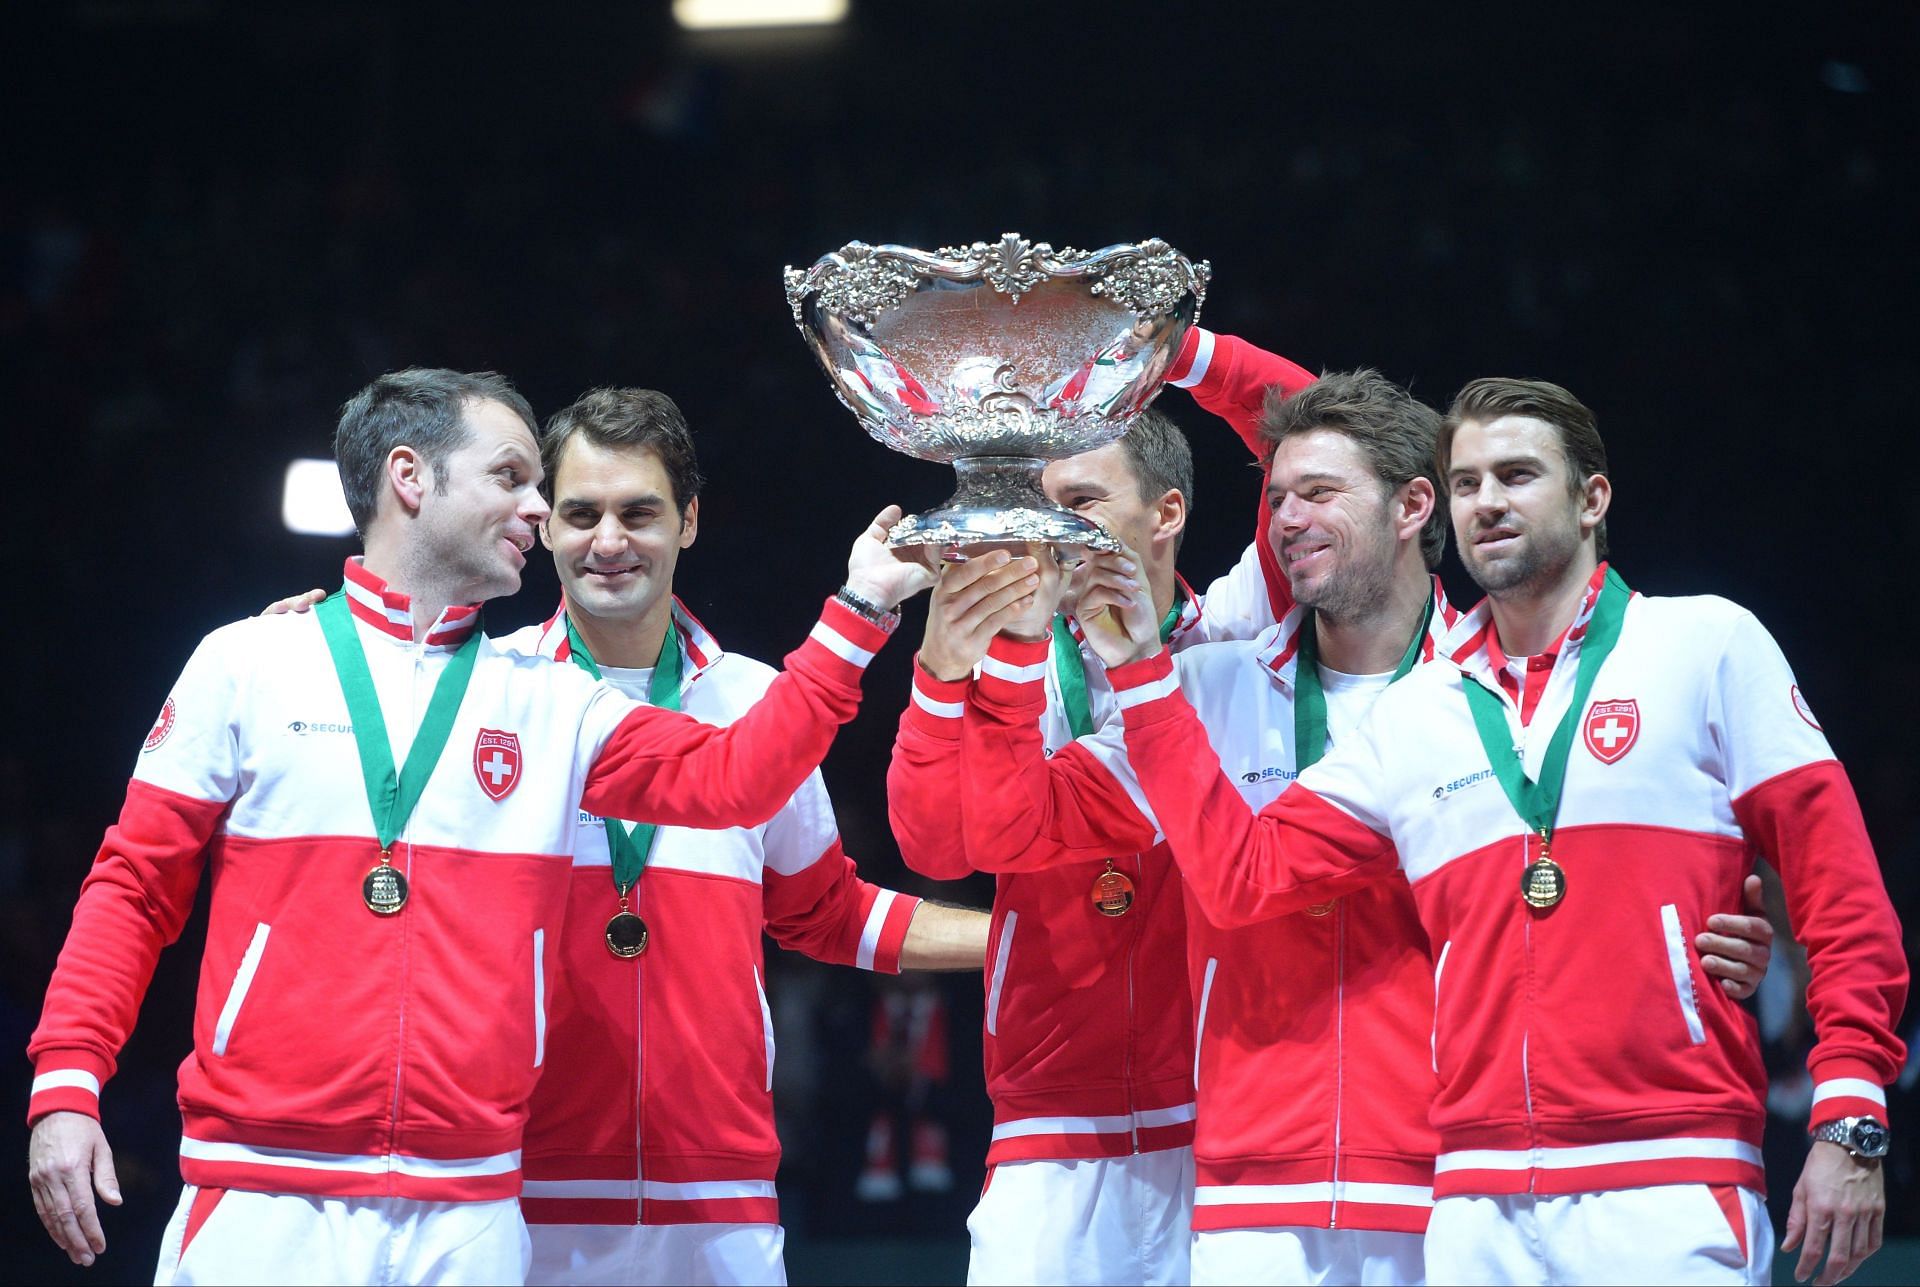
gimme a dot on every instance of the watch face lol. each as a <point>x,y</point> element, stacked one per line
<point>1870,1138</point>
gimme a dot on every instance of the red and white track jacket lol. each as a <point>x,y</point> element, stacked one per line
<point>1311,1060</point>
<point>1580,1048</point>
<point>657,1104</point>
<point>1089,1039</point>
<point>341,1053</point>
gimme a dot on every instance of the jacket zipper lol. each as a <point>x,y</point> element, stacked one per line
<point>1339,1050</point>
<point>1133,942</point>
<point>405,927</point>
<point>639,1066</point>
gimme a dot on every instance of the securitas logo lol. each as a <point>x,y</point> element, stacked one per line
<point>1253,777</point>
<point>302,727</point>
<point>1461,784</point>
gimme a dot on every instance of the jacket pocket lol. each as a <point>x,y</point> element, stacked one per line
<point>766,1025</point>
<point>999,977</point>
<point>1433,1037</point>
<point>539,997</point>
<point>1200,1019</point>
<point>1682,970</point>
<point>237,994</point>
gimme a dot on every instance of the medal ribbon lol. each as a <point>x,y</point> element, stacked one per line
<point>391,798</point>
<point>631,843</point>
<point>1310,697</point>
<point>1538,803</point>
<point>1072,668</point>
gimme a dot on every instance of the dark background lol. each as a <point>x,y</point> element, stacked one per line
<point>217,220</point>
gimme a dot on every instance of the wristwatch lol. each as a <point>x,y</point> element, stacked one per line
<point>867,610</point>
<point>1860,1136</point>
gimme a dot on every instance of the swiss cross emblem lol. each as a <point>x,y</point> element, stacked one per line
<point>163,727</point>
<point>496,762</point>
<point>1612,729</point>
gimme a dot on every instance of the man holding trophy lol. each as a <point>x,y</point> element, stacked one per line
<point>1092,1177</point>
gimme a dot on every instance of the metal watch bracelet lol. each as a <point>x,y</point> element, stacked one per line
<point>1861,1136</point>
<point>867,610</point>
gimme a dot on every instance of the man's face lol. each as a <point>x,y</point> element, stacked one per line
<point>616,532</point>
<point>477,516</point>
<point>1101,485</point>
<point>1516,516</point>
<point>1331,523</point>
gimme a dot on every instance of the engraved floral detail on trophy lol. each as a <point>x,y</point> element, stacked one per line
<point>865,283</point>
<point>1154,282</point>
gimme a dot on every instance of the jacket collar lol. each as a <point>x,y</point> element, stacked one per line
<point>1474,644</point>
<point>1280,644</point>
<point>699,650</point>
<point>391,613</point>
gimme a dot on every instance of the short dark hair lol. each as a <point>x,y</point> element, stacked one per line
<point>1491,397</point>
<point>420,407</point>
<point>1161,459</point>
<point>627,418</point>
<point>1395,430</point>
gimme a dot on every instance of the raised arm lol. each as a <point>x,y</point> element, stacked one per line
<point>972,601</point>
<point>665,767</point>
<point>1024,811</point>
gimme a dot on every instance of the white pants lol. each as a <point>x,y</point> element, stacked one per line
<point>646,1255</point>
<point>1085,1223</point>
<point>1670,1233</point>
<point>1296,1257</point>
<point>244,1237</point>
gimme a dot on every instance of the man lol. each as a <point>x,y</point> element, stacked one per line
<point>1599,1111</point>
<point>1314,1160</point>
<point>373,998</point>
<point>1088,1041</point>
<point>650,1147</point>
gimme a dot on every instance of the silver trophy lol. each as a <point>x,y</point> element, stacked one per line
<point>997,357</point>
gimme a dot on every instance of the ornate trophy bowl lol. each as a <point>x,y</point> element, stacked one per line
<point>998,358</point>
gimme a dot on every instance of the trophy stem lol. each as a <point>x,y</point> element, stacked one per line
<point>999,501</point>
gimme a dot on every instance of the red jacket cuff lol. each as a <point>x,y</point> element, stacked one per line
<point>885,935</point>
<point>67,1081</point>
<point>1196,357</point>
<point>1143,689</point>
<point>846,637</point>
<point>1014,671</point>
<point>937,704</point>
<point>1844,1087</point>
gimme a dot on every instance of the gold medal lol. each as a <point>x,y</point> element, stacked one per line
<point>1543,883</point>
<point>626,934</point>
<point>384,890</point>
<point>1112,892</point>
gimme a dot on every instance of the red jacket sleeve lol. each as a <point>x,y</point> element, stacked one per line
<point>923,796</point>
<point>1242,867</point>
<point>1231,378</point>
<point>827,912</point>
<point>1023,811</point>
<point>132,904</point>
<point>663,766</point>
<point>1793,801</point>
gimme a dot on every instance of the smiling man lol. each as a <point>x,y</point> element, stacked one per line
<point>1589,775</point>
<point>650,1149</point>
<point>374,995</point>
<point>1312,1151</point>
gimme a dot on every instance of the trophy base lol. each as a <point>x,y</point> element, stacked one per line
<point>1000,502</point>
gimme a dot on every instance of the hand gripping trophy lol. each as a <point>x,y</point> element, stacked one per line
<point>998,358</point>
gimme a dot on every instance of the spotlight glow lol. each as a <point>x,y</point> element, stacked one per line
<point>712,15</point>
<point>312,503</point>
